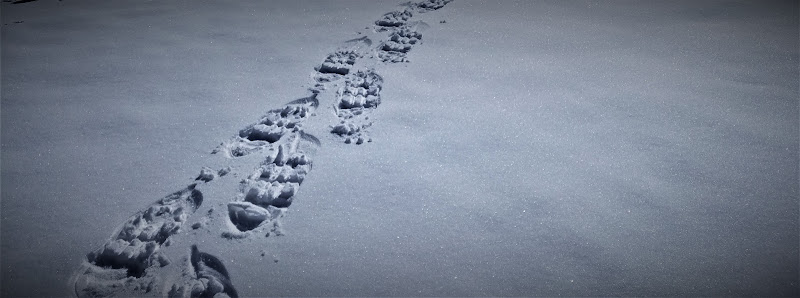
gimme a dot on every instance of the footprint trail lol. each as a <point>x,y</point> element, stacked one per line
<point>135,260</point>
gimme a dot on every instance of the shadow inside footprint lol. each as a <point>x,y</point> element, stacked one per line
<point>209,267</point>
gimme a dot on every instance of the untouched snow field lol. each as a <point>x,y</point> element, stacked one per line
<point>493,148</point>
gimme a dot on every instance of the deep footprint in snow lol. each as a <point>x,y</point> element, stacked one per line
<point>404,34</point>
<point>430,5</point>
<point>135,246</point>
<point>394,19</point>
<point>338,62</point>
<point>356,101</point>
<point>271,188</point>
<point>271,128</point>
<point>206,277</point>
<point>341,61</point>
<point>400,42</point>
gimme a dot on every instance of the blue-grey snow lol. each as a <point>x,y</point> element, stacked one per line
<point>388,148</point>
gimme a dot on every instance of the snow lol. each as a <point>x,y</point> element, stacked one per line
<point>490,149</point>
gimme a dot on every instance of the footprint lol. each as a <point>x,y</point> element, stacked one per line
<point>341,61</point>
<point>394,19</point>
<point>279,122</point>
<point>271,128</point>
<point>135,246</point>
<point>207,277</point>
<point>271,188</point>
<point>359,96</point>
<point>430,5</point>
<point>399,44</point>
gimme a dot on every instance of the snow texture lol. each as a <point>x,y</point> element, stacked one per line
<point>526,148</point>
<point>265,194</point>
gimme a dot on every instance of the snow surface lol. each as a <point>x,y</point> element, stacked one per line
<point>517,148</point>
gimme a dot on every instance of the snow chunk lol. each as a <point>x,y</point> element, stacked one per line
<point>247,216</point>
<point>206,175</point>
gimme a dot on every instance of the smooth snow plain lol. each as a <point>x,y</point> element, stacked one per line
<point>533,148</point>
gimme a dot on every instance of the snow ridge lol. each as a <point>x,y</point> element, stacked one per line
<point>132,262</point>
